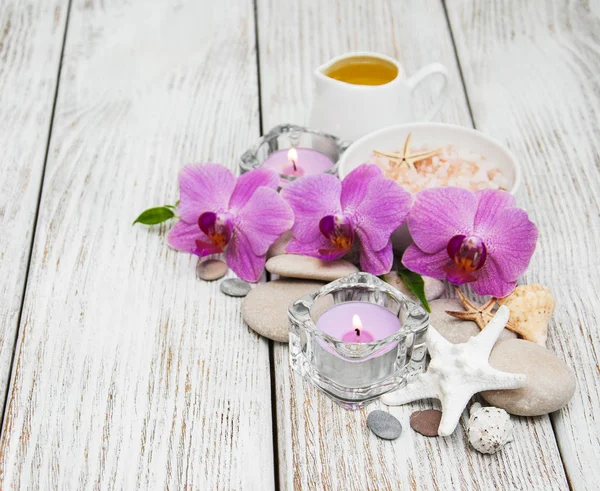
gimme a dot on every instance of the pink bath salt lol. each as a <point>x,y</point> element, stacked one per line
<point>450,167</point>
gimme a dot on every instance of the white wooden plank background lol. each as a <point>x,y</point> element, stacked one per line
<point>540,66</point>
<point>319,444</point>
<point>31,36</point>
<point>129,372</point>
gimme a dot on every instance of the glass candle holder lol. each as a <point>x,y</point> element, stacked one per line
<point>357,338</point>
<point>294,152</point>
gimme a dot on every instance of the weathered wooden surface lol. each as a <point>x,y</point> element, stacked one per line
<point>129,372</point>
<point>540,67</point>
<point>31,37</point>
<point>319,444</point>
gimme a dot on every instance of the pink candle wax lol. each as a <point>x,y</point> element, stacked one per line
<point>298,162</point>
<point>376,322</point>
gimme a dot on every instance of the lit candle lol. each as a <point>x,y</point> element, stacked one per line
<point>344,321</point>
<point>298,162</point>
<point>358,334</point>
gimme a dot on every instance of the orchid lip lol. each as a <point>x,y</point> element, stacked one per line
<point>217,227</point>
<point>338,230</point>
<point>468,253</point>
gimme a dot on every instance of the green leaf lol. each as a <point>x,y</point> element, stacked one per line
<point>415,284</point>
<point>152,216</point>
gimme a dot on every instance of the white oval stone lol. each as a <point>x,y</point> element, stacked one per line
<point>211,269</point>
<point>265,308</point>
<point>550,383</point>
<point>456,330</point>
<point>309,268</point>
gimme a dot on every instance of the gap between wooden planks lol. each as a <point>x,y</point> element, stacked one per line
<point>130,373</point>
<point>319,444</point>
<point>31,39</point>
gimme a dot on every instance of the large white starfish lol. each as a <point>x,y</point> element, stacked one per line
<point>457,372</point>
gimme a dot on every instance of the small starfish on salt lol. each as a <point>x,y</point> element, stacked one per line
<point>481,314</point>
<point>457,372</point>
<point>405,157</point>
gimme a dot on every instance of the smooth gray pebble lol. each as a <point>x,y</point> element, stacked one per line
<point>384,425</point>
<point>235,287</point>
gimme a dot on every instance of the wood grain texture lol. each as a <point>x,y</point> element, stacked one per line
<point>31,36</point>
<point>129,372</point>
<point>540,67</point>
<point>320,445</point>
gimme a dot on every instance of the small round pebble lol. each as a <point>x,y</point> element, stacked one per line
<point>235,287</point>
<point>384,425</point>
<point>211,269</point>
<point>426,422</point>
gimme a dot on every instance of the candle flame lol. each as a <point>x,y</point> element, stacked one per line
<point>356,322</point>
<point>293,155</point>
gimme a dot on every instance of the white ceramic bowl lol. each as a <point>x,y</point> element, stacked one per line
<point>430,135</point>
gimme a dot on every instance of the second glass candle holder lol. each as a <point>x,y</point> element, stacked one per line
<point>293,152</point>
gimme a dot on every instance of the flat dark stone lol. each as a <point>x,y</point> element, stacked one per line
<point>426,422</point>
<point>384,425</point>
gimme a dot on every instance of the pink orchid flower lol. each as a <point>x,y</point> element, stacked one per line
<point>330,214</point>
<point>466,237</point>
<point>242,217</point>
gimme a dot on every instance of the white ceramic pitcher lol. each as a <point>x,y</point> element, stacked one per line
<point>350,111</point>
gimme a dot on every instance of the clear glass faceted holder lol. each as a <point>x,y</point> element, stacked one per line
<point>354,374</point>
<point>285,136</point>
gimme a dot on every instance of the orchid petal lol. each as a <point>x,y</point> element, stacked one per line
<point>355,185</point>
<point>426,264</point>
<point>207,248</point>
<point>490,281</point>
<point>331,253</point>
<point>311,198</point>
<point>490,203</point>
<point>263,219</point>
<point>248,183</point>
<point>383,210</point>
<point>204,187</point>
<point>320,248</point>
<point>458,276</point>
<point>511,242</point>
<point>242,261</point>
<point>439,214</point>
<point>183,236</point>
<point>376,262</point>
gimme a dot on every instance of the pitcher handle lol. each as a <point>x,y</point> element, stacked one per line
<point>418,78</point>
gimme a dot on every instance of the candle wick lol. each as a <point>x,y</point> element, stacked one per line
<point>294,164</point>
<point>357,331</point>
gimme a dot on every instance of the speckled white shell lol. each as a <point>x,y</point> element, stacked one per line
<point>489,428</point>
